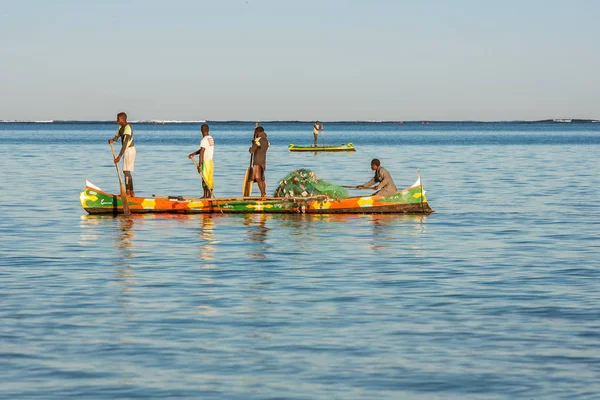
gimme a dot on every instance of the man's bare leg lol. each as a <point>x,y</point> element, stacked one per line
<point>263,188</point>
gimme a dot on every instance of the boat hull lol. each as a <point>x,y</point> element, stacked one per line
<point>408,201</point>
<point>343,147</point>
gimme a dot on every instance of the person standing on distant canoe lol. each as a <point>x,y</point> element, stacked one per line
<point>316,129</point>
<point>207,166</point>
<point>383,178</point>
<point>259,148</point>
<point>127,151</point>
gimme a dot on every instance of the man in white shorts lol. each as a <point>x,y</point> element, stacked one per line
<point>127,151</point>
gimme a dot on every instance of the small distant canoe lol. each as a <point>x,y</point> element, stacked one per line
<point>342,147</point>
<point>408,201</point>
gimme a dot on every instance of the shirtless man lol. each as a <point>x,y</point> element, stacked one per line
<point>316,129</point>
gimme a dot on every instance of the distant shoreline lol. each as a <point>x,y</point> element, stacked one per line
<point>419,122</point>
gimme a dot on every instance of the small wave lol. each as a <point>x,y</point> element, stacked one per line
<point>166,121</point>
<point>16,121</point>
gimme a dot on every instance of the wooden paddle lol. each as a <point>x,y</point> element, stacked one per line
<point>356,187</point>
<point>124,199</point>
<point>247,186</point>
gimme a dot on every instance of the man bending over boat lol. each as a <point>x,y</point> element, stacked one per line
<point>385,184</point>
<point>127,151</point>
<point>207,166</point>
<point>259,148</point>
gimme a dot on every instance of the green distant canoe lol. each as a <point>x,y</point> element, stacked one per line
<point>342,147</point>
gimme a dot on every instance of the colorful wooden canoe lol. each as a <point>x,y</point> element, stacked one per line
<point>408,201</point>
<point>342,147</point>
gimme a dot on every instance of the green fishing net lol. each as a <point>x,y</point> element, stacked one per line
<point>304,183</point>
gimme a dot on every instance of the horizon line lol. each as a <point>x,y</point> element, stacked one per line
<point>161,122</point>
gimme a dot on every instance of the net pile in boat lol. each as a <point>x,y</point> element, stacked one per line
<point>304,183</point>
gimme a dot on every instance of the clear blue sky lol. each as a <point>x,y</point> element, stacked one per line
<point>300,60</point>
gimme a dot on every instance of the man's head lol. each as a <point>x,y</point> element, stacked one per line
<point>317,123</point>
<point>375,164</point>
<point>122,118</point>
<point>204,129</point>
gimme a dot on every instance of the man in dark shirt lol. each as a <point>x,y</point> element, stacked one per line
<point>385,182</point>
<point>259,148</point>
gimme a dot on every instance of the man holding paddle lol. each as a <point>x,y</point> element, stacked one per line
<point>127,151</point>
<point>385,183</point>
<point>207,166</point>
<point>259,148</point>
<point>316,129</point>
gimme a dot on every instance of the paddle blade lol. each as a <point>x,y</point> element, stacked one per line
<point>125,201</point>
<point>247,187</point>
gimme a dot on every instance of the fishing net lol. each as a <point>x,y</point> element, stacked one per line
<point>304,183</point>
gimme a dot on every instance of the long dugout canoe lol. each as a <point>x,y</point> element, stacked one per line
<point>411,200</point>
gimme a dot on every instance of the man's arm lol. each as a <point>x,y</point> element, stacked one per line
<point>199,151</point>
<point>202,151</point>
<point>368,184</point>
<point>117,136</point>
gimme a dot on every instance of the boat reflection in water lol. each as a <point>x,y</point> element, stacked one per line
<point>388,229</point>
<point>124,236</point>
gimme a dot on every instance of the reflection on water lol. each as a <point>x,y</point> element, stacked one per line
<point>125,268</point>
<point>207,239</point>
<point>257,233</point>
<point>386,227</point>
<point>125,239</point>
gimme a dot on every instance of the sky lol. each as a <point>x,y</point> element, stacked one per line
<point>329,60</point>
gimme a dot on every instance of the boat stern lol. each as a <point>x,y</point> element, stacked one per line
<point>94,200</point>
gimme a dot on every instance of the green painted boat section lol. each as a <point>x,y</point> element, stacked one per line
<point>92,199</point>
<point>410,196</point>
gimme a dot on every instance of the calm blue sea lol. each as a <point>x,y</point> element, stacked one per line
<point>494,296</point>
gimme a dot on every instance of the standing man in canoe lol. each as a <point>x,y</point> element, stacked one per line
<point>259,148</point>
<point>316,129</point>
<point>207,166</point>
<point>127,152</point>
<point>385,183</point>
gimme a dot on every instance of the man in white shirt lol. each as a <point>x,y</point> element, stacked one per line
<point>207,166</point>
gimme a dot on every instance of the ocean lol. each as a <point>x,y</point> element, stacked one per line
<point>493,296</point>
